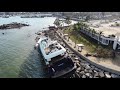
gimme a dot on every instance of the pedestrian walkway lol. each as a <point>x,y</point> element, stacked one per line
<point>105,63</point>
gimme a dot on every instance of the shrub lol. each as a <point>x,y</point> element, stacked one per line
<point>104,53</point>
<point>117,24</point>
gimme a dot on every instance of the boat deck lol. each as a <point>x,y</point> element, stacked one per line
<point>61,67</point>
<point>51,49</point>
<point>56,59</point>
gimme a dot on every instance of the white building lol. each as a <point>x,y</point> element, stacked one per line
<point>107,37</point>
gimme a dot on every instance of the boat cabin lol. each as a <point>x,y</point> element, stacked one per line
<point>51,49</point>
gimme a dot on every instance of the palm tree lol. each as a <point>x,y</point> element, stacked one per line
<point>99,33</point>
<point>62,24</point>
<point>57,22</point>
<point>82,25</point>
<point>93,32</point>
<point>87,18</point>
<point>76,40</point>
<point>85,27</point>
<point>90,31</point>
<point>67,21</point>
<point>79,25</point>
<point>76,29</point>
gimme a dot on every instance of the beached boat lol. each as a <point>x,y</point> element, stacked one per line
<point>55,57</point>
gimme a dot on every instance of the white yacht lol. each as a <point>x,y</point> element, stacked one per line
<point>55,57</point>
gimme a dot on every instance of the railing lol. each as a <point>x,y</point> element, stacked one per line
<point>97,37</point>
<point>89,61</point>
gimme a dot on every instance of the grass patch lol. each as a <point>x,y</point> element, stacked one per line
<point>90,45</point>
<point>79,39</point>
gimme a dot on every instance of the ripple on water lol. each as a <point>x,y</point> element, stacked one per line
<point>33,66</point>
<point>17,55</point>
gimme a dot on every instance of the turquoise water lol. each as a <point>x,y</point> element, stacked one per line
<point>17,55</point>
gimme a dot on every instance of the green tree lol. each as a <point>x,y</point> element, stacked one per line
<point>87,18</point>
<point>93,32</point>
<point>76,29</point>
<point>68,21</point>
<point>79,24</point>
<point>62,24</point>
<point>99,33</point>
<point>57,22</point>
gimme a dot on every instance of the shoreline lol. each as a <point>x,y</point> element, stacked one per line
<point>93,62</point>
<point>84,69</point>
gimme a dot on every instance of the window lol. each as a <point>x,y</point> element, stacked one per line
<point>107,41</point>
<point>100,39</point>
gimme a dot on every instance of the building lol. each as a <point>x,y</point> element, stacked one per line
<point>109,35</point>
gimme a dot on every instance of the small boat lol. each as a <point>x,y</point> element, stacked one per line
<point>55,57</point>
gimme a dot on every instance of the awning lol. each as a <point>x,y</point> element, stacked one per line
<point>80,45</point>
<point>65,34</point>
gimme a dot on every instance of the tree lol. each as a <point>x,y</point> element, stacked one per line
<point>87,18</point>
<point>79,24</point>
<point>99,33</point>
<point>67,21</point>
<point>57,22</point>
<point>76,29</point>
<point>62,24</point>
<point>93,32</point>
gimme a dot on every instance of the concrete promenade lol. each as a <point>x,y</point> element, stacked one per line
<point>107,66</point>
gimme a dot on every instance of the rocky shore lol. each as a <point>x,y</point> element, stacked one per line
<point>83,68</point>
<point>12,25</point>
